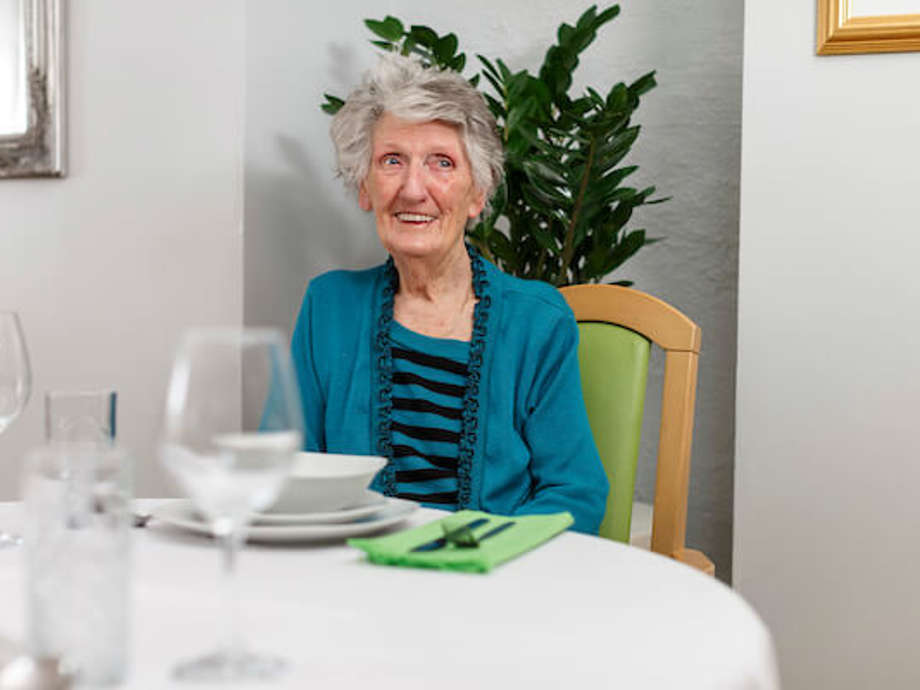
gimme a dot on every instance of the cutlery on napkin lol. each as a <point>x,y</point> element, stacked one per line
<point>494,547</point>
<point>451,534</point>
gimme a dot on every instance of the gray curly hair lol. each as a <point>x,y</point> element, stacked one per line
<point>405,88</point>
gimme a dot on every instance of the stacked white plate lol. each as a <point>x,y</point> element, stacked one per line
<point>374,513</point>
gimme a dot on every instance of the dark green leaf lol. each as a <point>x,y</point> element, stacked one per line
<point>479,231</point>
<point>547,194</point>
<point>644,194</point>
<point>424,35</point>
<point>595,98</point>
<point>545,239</point>
<point>643,84</point>
<point>495,84</point>
<point>515,144</point>
<point>586,20</point>
<point>620,216</point>
<point>490,68</point>
<point>498,201</point>
<point>624,194</point>
<point>498,110</point>
<point>612,152</point>
<point>515,115</point>
<point>501,247</point>
<point>605,191</point>
<point>539,91</point>
<point>628,246</point>
<point>618,98</point>
<point>565,33</point>
<point>545,170</point>
<point>607,15</point>
<point>458,62</point>
<point>332,105</point>
<point>559,169</point>
<point>410,46</point>
<point>574,136</point>
<point>582,40</point>
<point>474,80</point>
<point>446,47</point>
<point>390,28</point>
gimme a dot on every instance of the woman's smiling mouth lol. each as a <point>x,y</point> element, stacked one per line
<point>414,218</point>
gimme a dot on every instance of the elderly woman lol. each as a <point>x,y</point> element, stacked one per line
<point>464,377</point>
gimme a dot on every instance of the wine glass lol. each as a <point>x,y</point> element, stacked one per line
<point>15,384</point>
<point>232,425</point>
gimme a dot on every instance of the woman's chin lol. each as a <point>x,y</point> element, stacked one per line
<point>419,245</point>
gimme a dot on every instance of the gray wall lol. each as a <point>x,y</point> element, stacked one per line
<point>143,238</point>
<point>828,375</point>
<point>299,221</point>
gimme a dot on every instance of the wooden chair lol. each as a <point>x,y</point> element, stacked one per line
<point>617,326</point>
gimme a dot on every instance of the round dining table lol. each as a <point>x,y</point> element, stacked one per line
<point>577,612</point>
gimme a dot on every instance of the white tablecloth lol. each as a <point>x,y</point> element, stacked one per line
<point>578,612</point>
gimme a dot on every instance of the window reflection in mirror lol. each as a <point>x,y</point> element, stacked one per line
<point>32,122</point>
<point>12,69</point>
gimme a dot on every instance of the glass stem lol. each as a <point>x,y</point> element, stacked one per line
<point>232,642</point>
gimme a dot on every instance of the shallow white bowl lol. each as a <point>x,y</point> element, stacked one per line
<point>324,482</point>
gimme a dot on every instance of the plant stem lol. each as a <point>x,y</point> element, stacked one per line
<point>538,266</point>
<point>567,248</point>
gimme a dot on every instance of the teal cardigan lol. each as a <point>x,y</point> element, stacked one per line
<point>530,448</point>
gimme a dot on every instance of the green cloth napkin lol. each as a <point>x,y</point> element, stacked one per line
<point>527,532</point>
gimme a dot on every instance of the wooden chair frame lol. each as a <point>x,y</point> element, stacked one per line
<point>680,339</point>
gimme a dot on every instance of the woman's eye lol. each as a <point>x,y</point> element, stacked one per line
<point>444,162</point>
<point>390,160</point>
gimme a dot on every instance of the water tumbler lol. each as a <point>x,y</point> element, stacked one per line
<point>77,529</point>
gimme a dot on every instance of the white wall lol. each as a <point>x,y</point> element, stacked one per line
<point>143,237</point>
<point>828,456</point>
<point>299,222</point>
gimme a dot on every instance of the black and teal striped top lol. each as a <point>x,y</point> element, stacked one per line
<point>429,381</point>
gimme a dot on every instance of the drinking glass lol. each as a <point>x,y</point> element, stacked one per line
<point>76,500</point>
<point>232,425</point>
<point>15,384</point>
<point>80,416</point>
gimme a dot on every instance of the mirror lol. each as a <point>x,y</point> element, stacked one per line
<point>31,89</point>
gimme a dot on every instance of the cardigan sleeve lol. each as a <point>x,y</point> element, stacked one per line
<point>567,473</point>
<point>311,392</point>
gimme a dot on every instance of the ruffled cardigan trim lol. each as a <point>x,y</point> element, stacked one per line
<point>384,378</point>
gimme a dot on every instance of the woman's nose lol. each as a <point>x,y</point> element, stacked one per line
<point>413,187</point>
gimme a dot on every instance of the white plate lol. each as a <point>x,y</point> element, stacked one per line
<point>371,503</point>
<point>181,514</point>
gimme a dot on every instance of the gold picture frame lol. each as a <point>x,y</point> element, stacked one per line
<point>842,33</point>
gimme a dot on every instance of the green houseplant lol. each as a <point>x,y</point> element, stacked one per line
<point>562,212</point>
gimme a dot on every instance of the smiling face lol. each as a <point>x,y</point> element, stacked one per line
<point>420,187</point>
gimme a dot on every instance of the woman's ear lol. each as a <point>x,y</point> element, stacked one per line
<point>364,199</point>
<point>477,204</point>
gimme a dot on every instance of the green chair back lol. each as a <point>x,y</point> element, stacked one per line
<point>614,369</point>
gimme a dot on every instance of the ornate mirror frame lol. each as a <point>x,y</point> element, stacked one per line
<point>842,33</point>
<point>39,151</point>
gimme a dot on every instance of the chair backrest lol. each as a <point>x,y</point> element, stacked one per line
<point>617,323</point>
<point>614,368</point>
